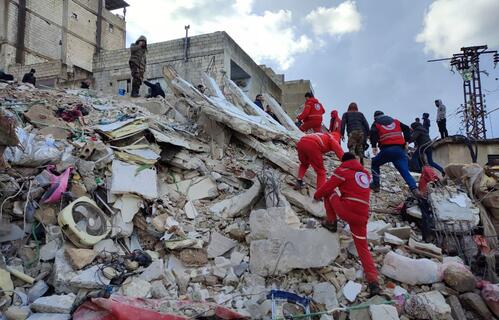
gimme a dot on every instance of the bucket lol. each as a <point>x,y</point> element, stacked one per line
<point>121,92</point>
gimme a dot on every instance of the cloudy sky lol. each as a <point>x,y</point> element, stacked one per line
<point>371,52</point>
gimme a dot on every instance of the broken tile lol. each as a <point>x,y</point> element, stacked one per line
<point>219,245</point>
<point>54,304</point>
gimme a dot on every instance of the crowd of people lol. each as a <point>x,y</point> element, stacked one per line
<point>389,139</point>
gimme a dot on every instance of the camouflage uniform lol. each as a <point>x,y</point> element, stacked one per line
<point>137,64</point>
<point>356,141</point>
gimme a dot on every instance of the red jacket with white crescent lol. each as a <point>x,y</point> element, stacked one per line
<point>325,143</point>
<point>353,181</point>
<point>313,110</point>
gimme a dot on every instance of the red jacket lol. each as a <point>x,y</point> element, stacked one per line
<point>325,143</point>
<point>353,181</point>
<point>313,110</point>
<point>390,134</point>
<point>335,124</point>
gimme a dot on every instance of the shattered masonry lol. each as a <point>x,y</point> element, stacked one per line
<point>187,202</point>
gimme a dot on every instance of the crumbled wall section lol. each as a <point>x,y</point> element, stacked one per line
<point>45,40</point>
<point>212,51</point>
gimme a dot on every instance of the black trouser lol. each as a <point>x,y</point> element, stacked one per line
<point>442,127</point>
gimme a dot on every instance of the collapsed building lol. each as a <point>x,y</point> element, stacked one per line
<point>184,208</point>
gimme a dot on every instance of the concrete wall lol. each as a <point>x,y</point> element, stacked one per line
<point>213,51</point>
<point>58,30</point>
<point>293,96</point>
<point>446,153</point>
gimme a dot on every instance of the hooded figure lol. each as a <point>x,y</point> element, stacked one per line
<point>391,135</point>
<point>352,206</point>
<point>311,117</point>
<point>30,77</point>
<point>138,63</point>
<point>422,142</point>
<point>335,125</point>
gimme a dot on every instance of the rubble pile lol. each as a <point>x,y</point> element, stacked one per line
<point>184,206</point>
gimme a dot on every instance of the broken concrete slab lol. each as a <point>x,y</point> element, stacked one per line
<point>91,278</point>
<point>390,238</point>
<point>238,204</point>
<point>428,305</point>
<point>325,293</point>
<point>363,314</point>
<point>136,287</point>
<point>128,205</point>
<point>219,245</point>
<point>315,208</point>
<point>80,258</point>
<point>266,222</point>
<point>130,178</point>
<point>62,273</point>
<point>178,139</point>
<point>429,247</point>
<point>473,301</point>
<point>351,290</point>
<point>197,188</point>
<point>155,271</point>
<point>17,313</point>
<point>48,251</point>
<point>293,249</point>
<point>456,308</point>
<point>54,304</point>
<point>383,312</point>
<point>403,233</point>
<point>190,210</point>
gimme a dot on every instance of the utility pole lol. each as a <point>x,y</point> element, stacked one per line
<point>467,63</point>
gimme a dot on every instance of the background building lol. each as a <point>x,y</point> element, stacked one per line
<point>58,37</point>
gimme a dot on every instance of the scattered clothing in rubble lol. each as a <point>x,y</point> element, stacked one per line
<point>155,89</point>
<point>357,130</point>
<point>352,206</point>
<point>441,118</point>
<point>391,135</point>
<point>30,77</point>
<point>138,63</point>
<point>422,142</point>
<point>335,125</point>
<point>311,116</point>
<point>71,115</point>
<point>311,149</point>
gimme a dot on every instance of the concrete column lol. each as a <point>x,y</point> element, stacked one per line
<point>21,30</point>
<point>64,30</point>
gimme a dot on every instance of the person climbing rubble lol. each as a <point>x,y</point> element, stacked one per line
<point>137,64</point>
<point>310,149</point>
<point>391,136</point>
<point>30,77</point>
<point>155,89</point>
<point>335,125</point>
<point>357,130</point>
<point>422,142</point>
<point>311,117</point>
<point>352,179</point>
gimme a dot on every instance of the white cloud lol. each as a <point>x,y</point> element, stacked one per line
<point>335,21</point>
<point>265,37</point>
<point>450,25</point>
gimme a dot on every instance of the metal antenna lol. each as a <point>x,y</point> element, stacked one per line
<point>473,109</point>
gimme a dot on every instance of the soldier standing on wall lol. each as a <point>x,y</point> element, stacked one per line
<point>137,64</point>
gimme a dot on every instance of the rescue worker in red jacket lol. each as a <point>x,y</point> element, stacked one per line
<point>352,180</point>
<point>335,125</point>
<point>311,117</point>
<point>391,136</point>
<point>310,149</point>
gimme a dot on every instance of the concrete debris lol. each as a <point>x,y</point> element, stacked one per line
<point>475,303</point>
<point>54,304</point>
<point>383,312</point>
<point>191,199</point>
<point>428,305</point>
<point>325,294</point>
<point>219,245</point>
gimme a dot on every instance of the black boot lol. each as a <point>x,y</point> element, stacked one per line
<point>331,226</point>
<point>299,185</point>
<point>374,289</point>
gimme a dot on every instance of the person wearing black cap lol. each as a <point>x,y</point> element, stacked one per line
<point>352,206</point>
<point>391,136</point>
<point>30,77</point>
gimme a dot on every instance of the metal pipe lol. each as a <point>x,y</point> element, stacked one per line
<point>186,42</point>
